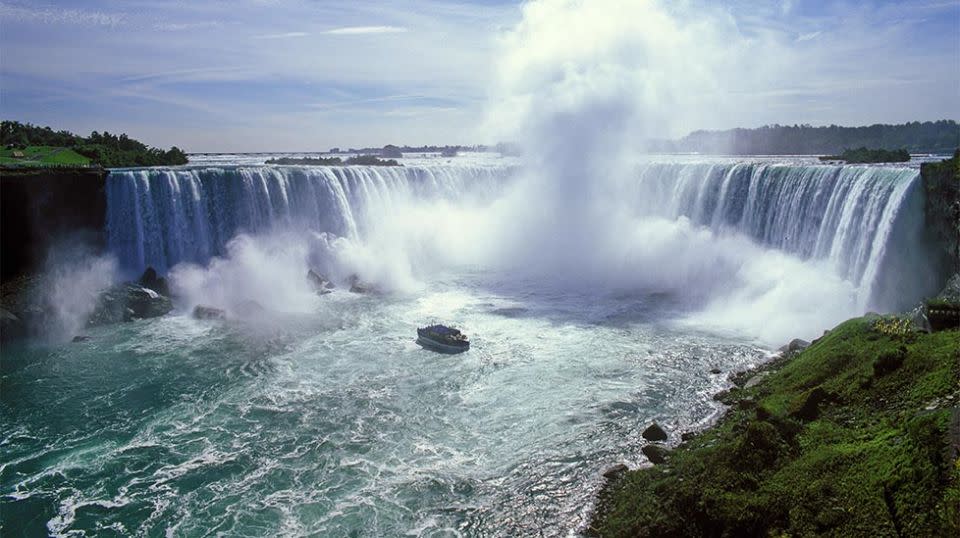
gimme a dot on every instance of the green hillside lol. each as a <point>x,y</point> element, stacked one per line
<point>42,156</point>
<point>849,438</point>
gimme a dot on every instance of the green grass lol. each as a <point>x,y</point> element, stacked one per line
<point>44,156</point>
<point>873,463</point>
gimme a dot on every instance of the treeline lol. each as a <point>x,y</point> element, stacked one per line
<point>864,155</point>
<point>941,136</point>
<point>391,150</point>
<point>360,160</point>
<point>106,149</point>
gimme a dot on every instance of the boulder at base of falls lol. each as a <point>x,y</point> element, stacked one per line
<point>359,286</point>
<point>152,281</point>
<point>208,312</point>
<point>654,433</point>
<point>320,283</point>
<point>11,326</point>
<point>126,302</point>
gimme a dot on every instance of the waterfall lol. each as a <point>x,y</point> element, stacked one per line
<point>848,216</point>
<point>161,217</point>
<point>843,214</point>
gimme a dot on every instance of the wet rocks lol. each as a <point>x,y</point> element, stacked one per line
<point>359,286</point>
<point>654,433</point>
<point>152,281</point>
<point>80,338</point>
<point>11,326</point>
<point>126,302</point>
<point>655,453</point>
<point>796,345</point>
<point>320,283</point>
<point>614,472</point>
<point>208,312</point>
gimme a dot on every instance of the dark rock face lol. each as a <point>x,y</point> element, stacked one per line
<point>655,453</point>
<point>80,338</point>
<point>39,206</point>
<point>208,312</point>
<point>654,433</point>
<point>152,281</point>
<point>11,326</point>
<point>127,302</point>
<point>320,283</point>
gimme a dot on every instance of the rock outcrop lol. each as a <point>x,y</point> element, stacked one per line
<point>654,433</point>
<point>321,284</point>
<point>127,302</point>
<point>152,281</point>
<point>208,312</point>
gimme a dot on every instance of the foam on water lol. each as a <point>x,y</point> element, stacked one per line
<point>175,425</point>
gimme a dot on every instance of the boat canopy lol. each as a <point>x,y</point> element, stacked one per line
<point>442,330</point>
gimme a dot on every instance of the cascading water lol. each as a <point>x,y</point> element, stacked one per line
<point>844,215</point>
<point>161,217</point>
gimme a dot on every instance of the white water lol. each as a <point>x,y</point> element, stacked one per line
<point>807,241</point>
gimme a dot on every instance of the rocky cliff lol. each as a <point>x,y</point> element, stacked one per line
<point>43,205</point>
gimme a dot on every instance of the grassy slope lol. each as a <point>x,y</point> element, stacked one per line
<point>44,156</point>
<point>873,463</point>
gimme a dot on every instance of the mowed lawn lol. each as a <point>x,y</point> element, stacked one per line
<point>43,156</point>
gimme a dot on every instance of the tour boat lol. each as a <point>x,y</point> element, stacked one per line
<point>442,339</point>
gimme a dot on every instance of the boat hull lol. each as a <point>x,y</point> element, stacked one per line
<point>440,347</point>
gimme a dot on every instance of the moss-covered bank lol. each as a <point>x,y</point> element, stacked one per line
<point>855,436</point>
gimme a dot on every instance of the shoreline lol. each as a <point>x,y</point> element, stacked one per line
<point>644,501</point>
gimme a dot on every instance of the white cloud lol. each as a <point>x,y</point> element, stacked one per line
<point>285,35</point>
<point>354,30</point>
<point>186,26</point>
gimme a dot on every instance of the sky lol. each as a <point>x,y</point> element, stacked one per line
<point>299,75</point>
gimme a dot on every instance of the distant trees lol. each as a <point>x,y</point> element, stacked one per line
<point>941,136</point>
<point>105,149</point>
<point>371,160</point>
<point>362,160</point>
<point>391,151</point>
<point>864,155</point>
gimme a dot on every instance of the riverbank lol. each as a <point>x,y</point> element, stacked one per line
<point>856,435</point>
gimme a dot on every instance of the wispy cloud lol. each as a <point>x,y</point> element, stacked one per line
<point>186,26</point>
<point>385,98</point>
<point>201,73</point>
<point>355,30</point>
<point>808,37</point>
<point>285,35</point>
<point>60,16</point>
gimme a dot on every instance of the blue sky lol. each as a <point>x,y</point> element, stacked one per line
<point>262,75</point>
